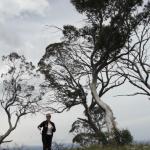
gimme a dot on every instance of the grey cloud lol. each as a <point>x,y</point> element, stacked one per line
<point>27,32</point>
<point>15,8</point>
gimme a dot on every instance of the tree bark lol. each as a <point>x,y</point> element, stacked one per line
<point>109,117</point>
<point>2,138</point>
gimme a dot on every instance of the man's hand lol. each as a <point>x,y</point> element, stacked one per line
<point>40,130</point>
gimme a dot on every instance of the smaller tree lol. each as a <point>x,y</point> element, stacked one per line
<point>20,95</point>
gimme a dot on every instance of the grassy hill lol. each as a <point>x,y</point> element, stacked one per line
<point>132,147</point>
<point>94,147</point>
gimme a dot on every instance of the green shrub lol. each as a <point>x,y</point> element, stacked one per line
<point>123,137</point>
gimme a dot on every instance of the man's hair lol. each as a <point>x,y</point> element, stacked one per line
<point>48,114</point>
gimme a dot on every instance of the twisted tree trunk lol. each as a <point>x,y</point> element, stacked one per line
<point>109,117</point>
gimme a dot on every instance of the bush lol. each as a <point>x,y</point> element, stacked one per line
<point>123,137</point>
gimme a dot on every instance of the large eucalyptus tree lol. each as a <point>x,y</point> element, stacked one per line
<point>73,67</point>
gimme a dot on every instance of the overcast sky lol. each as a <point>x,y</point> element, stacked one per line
<point>24,29</point>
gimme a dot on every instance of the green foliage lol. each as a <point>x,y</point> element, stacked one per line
<point>86,139</point>
<point>85,132</point>
<point>123,137</point>
<point>105,6</point>
<point>126,137</point>
<point>70,32</point>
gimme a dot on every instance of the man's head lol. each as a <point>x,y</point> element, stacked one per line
<point>48,116</point>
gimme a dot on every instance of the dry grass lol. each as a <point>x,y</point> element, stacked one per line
<point>131,147</point>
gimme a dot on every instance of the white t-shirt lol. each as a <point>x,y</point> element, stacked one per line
<point>49,129</point>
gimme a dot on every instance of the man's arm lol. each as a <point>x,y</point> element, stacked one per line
<point>40,126</point>
<point>54,128</point>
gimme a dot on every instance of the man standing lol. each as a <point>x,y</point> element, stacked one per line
<point>48,127</point>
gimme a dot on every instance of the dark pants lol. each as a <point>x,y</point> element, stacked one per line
<point>47,141</point>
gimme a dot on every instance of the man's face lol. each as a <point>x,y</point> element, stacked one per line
<point>48,118</point>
